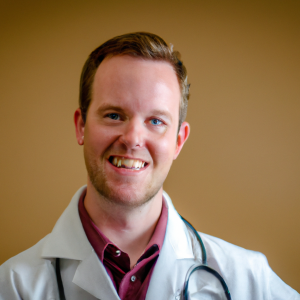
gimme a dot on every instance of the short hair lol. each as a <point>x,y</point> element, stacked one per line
<point>138,44</point>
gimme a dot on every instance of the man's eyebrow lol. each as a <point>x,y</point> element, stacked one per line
<point>105,107</point>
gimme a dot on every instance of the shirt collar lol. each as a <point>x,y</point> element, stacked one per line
<point>97,239</point>
<point>100,242</point>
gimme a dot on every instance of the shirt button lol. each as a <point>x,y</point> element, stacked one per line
<point>118,253</point>
<point>133,278</point>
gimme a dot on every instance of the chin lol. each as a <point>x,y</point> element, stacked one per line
<point>130,197</point>
<point>125,195</point>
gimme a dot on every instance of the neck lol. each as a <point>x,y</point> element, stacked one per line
<point>129,228</point>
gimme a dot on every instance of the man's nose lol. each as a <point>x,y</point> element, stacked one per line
<point>133,135</point>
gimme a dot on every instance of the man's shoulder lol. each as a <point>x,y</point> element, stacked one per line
<point>28,275</point>
<point>223,247</point>
<point>226,254</point>
<point>28,259</point>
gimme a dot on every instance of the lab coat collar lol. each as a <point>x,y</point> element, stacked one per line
<point>177,233</point>
<point>68,239</point>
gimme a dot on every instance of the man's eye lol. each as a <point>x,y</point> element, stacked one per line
<point>155,122</point>
<point>114,116</point>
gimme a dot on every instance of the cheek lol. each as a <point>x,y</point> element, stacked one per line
<point>98,139</point>
<point>163,151</point>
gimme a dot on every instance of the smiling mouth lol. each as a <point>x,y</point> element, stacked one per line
<point>126,163</point>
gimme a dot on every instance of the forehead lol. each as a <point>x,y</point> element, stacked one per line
<point>124,65</point>
<point>125,78</point>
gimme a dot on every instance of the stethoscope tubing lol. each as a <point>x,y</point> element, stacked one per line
<point>202,266</point>
<point>59,280</point>
<point>204,256</point>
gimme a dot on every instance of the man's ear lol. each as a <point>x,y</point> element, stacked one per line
<point>183,134</point>
<point>79,126</point>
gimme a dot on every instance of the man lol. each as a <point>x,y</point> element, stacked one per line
<point>120,237</point>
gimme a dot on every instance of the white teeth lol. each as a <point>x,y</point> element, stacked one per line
<point>127,163</point>
<point>130,163</point>
<point>115,161</point>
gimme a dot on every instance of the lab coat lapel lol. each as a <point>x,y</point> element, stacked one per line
<point>175,258</point>
<point>92,277</point>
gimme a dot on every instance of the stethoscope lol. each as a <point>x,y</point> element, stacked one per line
<point>202,266</point>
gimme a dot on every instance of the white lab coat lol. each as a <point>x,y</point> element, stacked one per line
<point>31,274</point>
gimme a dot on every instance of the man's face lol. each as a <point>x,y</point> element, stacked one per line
<point>130,133</point>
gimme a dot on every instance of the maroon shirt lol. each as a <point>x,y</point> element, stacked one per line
<point>130,284</point>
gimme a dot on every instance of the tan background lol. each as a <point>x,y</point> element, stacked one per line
<point>238,175</point>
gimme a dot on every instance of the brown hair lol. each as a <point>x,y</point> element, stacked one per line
<point>138,44</point>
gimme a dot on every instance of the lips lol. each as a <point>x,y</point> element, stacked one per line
<point>127,163</point>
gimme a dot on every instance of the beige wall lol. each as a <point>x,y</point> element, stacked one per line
<point>238,175</point>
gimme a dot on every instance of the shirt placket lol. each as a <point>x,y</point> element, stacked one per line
<point>130,286</point>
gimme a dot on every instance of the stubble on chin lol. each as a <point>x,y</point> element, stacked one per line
<point>120,195</point>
